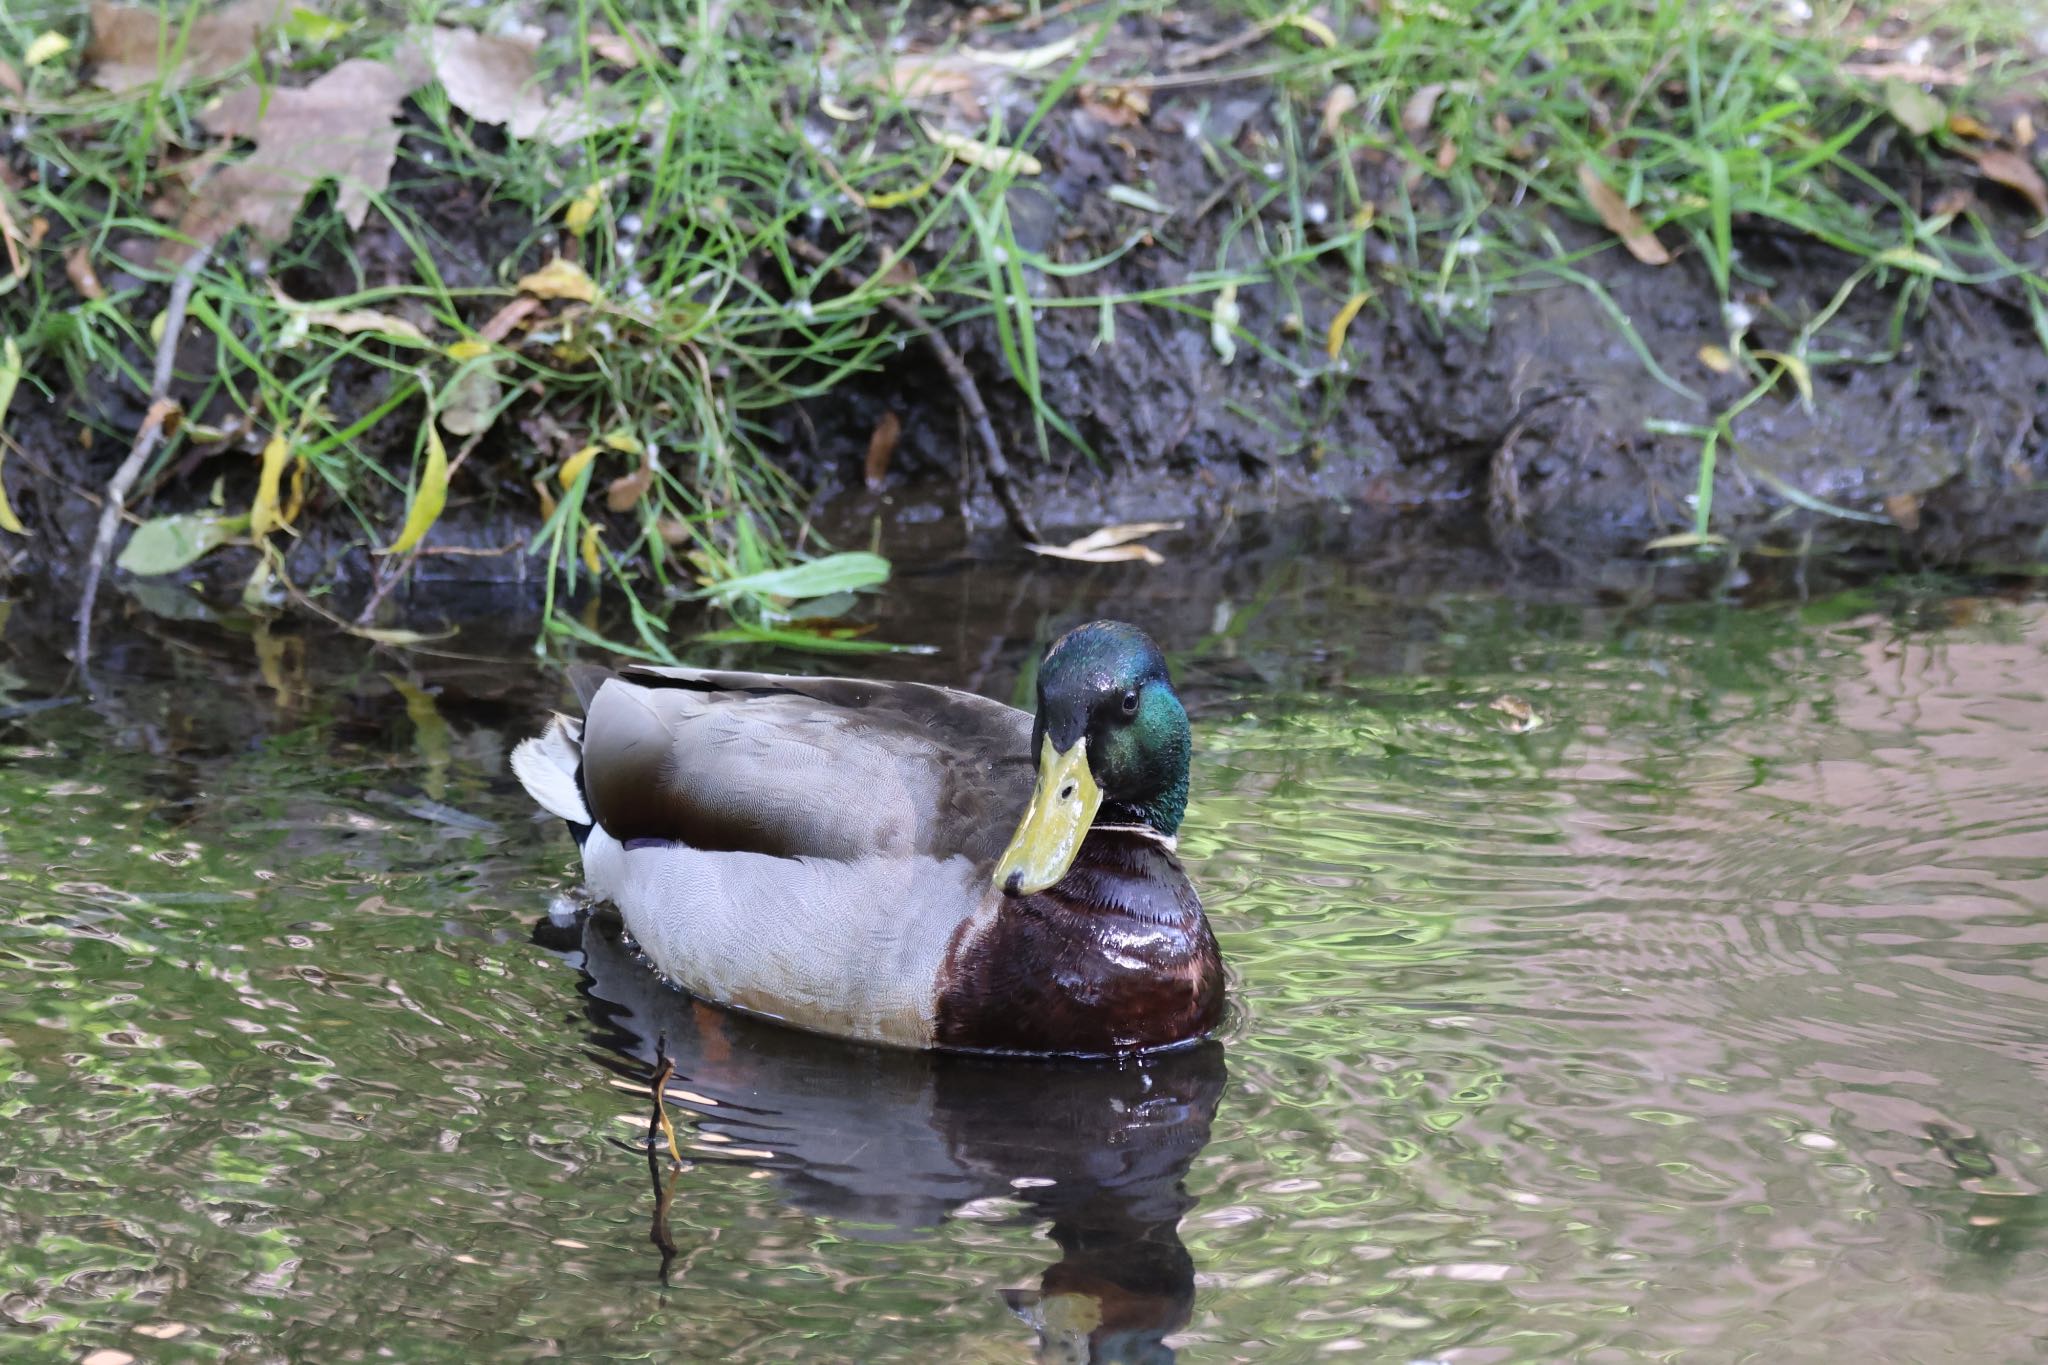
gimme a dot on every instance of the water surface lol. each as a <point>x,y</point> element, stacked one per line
<point>1687,1004</point>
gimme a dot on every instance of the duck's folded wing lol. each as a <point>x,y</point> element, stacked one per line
<point>817,767</point>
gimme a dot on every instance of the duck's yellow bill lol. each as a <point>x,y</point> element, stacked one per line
<point>1062,808</point>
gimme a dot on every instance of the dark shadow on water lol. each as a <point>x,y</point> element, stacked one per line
<point>889,1144</point>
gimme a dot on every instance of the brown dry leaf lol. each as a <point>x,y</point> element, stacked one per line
<point>615,48</point>
<point>1620,219</point>
<point>496,80</point>
<point>78,266</point>
<point>128,41</point>
<point>621,493</point>
<point>10,232</point>
<point>2017,174</point>
<point>882,447</point>
<point>1112,544</point>
<point>2023,132</point>
<point>10,79</point>
<point>1446,154</point>
<point>349,321</point>
<point>1904,508</point>
<point>1420,109</point>
<point>1341,100</point>
<point>1117,106</point>
<point>339,128</point>
<point>1951,202</point>
<point>505,319</point>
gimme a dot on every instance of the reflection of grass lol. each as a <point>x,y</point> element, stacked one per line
<point>1705,117</point>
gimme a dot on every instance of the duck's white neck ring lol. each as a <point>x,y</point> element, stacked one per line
<point>1169,842</point>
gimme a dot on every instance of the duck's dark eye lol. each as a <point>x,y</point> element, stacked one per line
<point>1131,703</point>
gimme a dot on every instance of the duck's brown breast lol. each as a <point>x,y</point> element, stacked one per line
<point>1117,957</point>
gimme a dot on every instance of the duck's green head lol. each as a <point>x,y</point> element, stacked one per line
<point>1111,742</point>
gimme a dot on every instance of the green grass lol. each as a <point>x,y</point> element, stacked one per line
<point>1704,116</point>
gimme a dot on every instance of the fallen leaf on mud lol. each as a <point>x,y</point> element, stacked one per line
<point>470,404</point>
<point>1685,540</point>
<point>1135,199</point>
<point>615,48</point>
<point>1342,100</point>
<point>1716,358</point>
<point>622,493</point>
<point>833,109</point>
<point>1802,374</point>
<point>573,467</point>
<point>1118,106</point>
<point>1904,508</point>
<point>1918,112</point>
<point>78,267</point>
<point>1951,203</point>
<point>167,544</point>
<point>339,128</point>
<point>1962,125</point>
<point>1620,219</point>
<point>2016,173</point>
<point>1420,109</point>
<point>350,321</point>
<point>1112,544</point>
<point>505,319</point>
<point>1522,717</point>
<point>1313,27</point>
<point>1222,321</point>
<point>547,498</point>
<point>469,348</point>
<point>881,448</point>
<point>591,531</point>
<point>496,80</point>
<point>10,375</point>
<point>263,509</point>
<point>559,279</point>
<point>1333,341</point>
<point>428,498</point>
<point>1446,154</point>
<point>1002,160</point>
<point>130,42</point>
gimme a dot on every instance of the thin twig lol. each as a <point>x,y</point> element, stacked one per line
<point>1202,56</point>
<point>994,464</point>
<point>146,441</point>
<point>658,1124</point>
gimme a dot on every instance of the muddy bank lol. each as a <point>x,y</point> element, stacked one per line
<point>1527,432</point>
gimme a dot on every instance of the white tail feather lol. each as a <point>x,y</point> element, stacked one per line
<point>546,766</point>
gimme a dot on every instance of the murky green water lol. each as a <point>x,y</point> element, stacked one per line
<point>1704,1021</point>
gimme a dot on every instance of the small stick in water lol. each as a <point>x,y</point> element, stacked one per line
<point>664,1067</point>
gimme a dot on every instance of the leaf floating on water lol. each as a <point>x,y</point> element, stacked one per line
<point>1112,544</point>
<point>428,498</point>
<point>167,544</point>
<point>1522,718</point>
<point>559,279</point>
<point>1918,112</point>
<point>2017,174</point>
<point>10,376</point>
<point>1340,326</point>
<point>1620,219</point>
<point>1221,321</point>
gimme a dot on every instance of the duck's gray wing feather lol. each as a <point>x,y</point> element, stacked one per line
<point>818,767</point>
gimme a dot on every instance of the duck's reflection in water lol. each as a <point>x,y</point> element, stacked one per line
<point>889,1144</point>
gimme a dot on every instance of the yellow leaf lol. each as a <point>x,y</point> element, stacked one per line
<point>1685,540</point>
<point>981,154</point>
<point>1962,125</point>
<point>10,375</point>
<point>591,531</point>
<point>623,441</point>
<point>559,279</point>
<point>1221,321</point>
<point>547,499</point>
<point>1314,28</point>
<point>833,109</point>
<point>575,465</point>
<point>1341,324</point>
<point>297,499</point>
<point>466,350</point>
<point>263,517</point>
<point>45,48</point>
<point>1112,544</point>
<point>583,208</point>
<point>1717,359</point>
<point>1802,377</point>
<point>429,498</point>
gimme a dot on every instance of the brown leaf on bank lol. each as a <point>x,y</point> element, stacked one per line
<point>1620,219</point>
<point>78,266</point>
<point>2017,174</point>
<point>1420,109</point>
<point>881,448</point>
<point>338,128</point>
<point>502,322</point>
<point>497,80</point>
<point>129,42</point>
<point>1904,508</point>
<point>623,492</point>
<point>1951,202</point>
<point>1116,106</point>
<point>1963,125</point>
<point>1341,100</point>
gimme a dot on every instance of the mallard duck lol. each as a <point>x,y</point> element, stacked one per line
<point>877,860</point>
